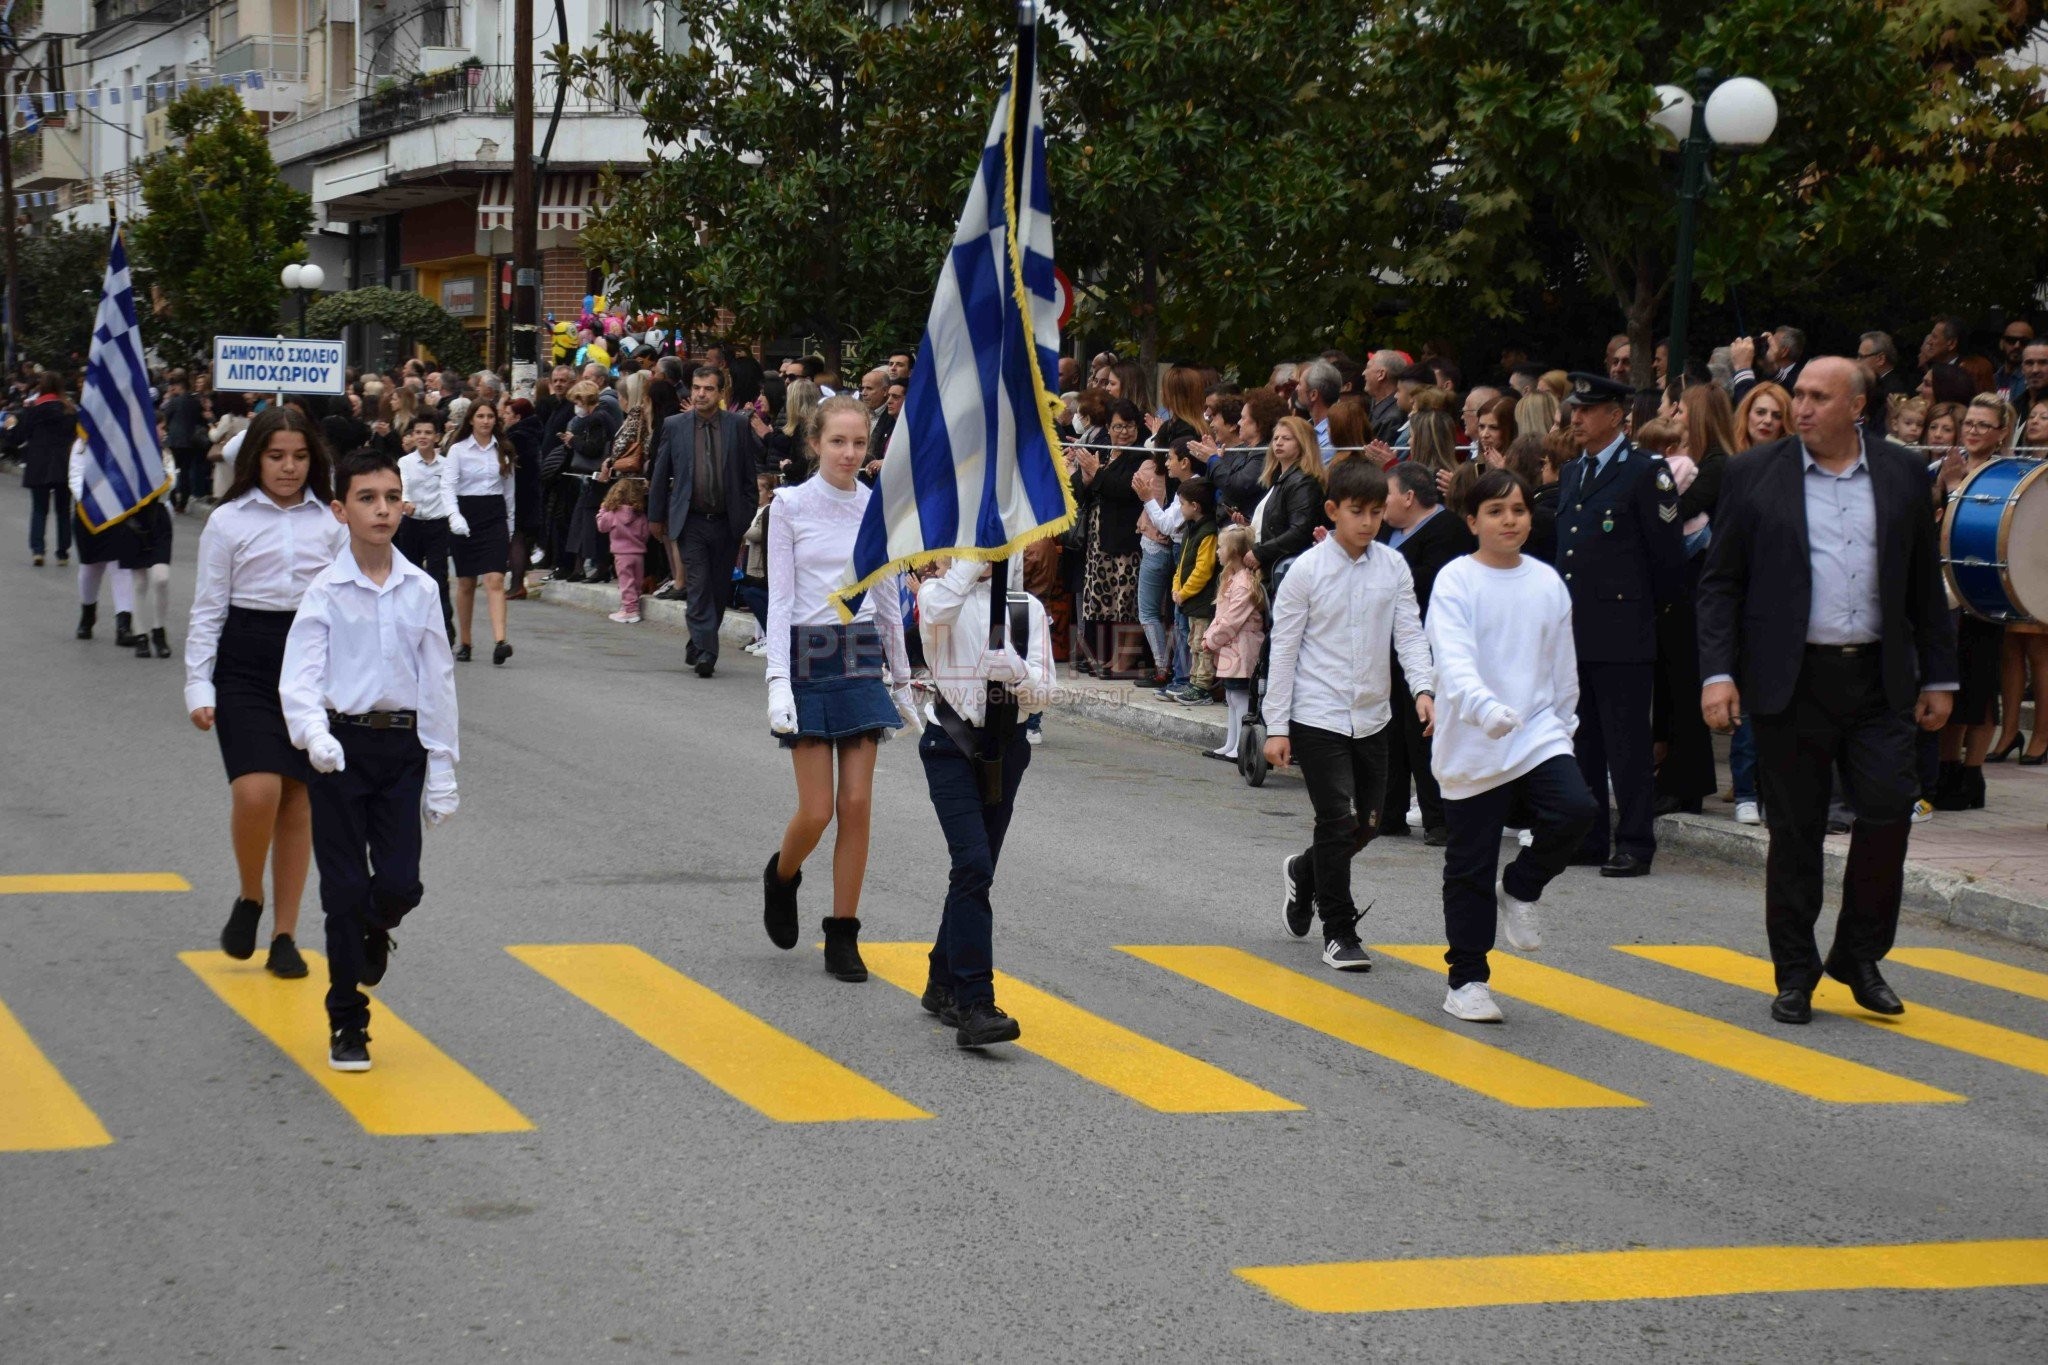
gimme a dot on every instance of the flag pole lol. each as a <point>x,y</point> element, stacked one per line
<point>1020,133</point>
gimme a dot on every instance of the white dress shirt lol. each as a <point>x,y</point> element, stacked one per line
<point>430,485</point>
<point>952,621</point>
<point>811,530</point>
<point>476,473</point>
<point>359,646</point>
<point>1336,624</point>
<point>254,554</point>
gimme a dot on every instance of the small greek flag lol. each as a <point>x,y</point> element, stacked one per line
<point>124,469</point>
<point>973,468</point>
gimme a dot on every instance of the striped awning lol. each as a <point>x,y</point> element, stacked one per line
<point>566,199</point>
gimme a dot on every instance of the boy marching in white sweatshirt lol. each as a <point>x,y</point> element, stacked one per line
<point>1500,631</point>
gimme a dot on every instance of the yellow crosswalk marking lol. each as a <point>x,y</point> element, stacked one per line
<point>58,883</point>
<point>1092,1047</point>
<point>758,1065</point>
<point>1613,1276</point>
<point>1755,1055</point>
<point>415,1089</point>
<point>1982,970</point>
<point>1454,1057</point>
<point>1923,1023</point>
<point>40,1112</point>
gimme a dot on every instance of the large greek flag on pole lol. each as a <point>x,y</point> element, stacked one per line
<point>124,469</point>
<point>973,468</point>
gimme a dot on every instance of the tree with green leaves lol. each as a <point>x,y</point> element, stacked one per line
<point>61,271</point>
<point>220,226</point>
<point>806,163</point>
<point>1511,126</point>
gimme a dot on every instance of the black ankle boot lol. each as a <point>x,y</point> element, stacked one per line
<point>88,615</point>
<point>160,643</point>
<point>779,904</point>
<point>842,949</point>
<point>123,636</point>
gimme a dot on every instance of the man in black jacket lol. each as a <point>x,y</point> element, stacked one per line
<point>1822,594</point>
<point>703,491</point>
<point>1429,536</point>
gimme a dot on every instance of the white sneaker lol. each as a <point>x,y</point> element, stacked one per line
<point>1748,813</point>
<point>1518,922</point>
<point>1473,1003</point>
<point>624,619</point>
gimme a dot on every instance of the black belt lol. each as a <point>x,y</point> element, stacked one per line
<point>378,720</point>
<point>1844,651</point>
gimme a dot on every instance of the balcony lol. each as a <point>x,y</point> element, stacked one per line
<point>395,106</point>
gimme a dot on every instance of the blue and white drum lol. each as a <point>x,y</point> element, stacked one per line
<point>1994,544</point>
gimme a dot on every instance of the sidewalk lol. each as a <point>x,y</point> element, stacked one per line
<point>1984,870</point>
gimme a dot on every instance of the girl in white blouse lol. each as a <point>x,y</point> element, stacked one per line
<point>833,690</point>
<point>481,469</point>
<point>270,536</point>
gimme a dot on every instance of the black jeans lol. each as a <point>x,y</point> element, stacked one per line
<point>366,843</point>
<point>1408,758</point>
<point>708,550</point>
<point>1553,798</point>
<point>1614,742</point>
<point>425,543</point>
<point>962,957</point>
<point>1839,722</point>
<point>1347,783</point>
<point>41,502</point>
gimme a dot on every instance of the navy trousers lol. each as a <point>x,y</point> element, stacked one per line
<point>962,957</point>
<point>366,843</point>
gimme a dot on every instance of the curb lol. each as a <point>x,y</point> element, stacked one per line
<point>1961,901</point>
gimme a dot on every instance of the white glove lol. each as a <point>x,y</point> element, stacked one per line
<point>781,707</point>
<point>1004,666</point>
<point>440,800</point>
<point>906,705</point>
<point>324,752</point>
<point>457,525</point>
<point>1501,721</point>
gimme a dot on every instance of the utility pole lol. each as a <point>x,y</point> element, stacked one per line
<point>525,210</point>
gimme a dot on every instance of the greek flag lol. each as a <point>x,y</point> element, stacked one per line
<point>973,469</point>
<point>124,470</point>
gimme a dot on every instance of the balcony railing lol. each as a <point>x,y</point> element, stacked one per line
<point>395,106</point>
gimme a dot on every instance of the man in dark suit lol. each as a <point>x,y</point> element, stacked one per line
<point>1622,555</point>
<point>702,489</point>
<point>1429,536</point>
<point>1822,593</point>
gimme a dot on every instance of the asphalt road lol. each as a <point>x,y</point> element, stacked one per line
<point>242,1212</point>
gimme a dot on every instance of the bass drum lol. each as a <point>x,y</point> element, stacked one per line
<point>1994,542</point>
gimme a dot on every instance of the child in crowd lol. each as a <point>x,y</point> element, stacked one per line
<point>1237,632</point>
<point>1194,586</point>
<point>623,516</point>
<point>1344,610</point>
<point>368,691</point>
<point>1500,628</point>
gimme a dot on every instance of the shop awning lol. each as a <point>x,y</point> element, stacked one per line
<point>566,201</point>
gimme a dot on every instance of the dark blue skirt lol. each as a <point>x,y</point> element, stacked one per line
<point>837,675</point>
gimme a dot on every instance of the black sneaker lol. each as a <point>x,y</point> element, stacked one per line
<point>238,939</point>
<point>377,951</point>
<point>284,960</point>
<point>985,1024</point>
<point>1346,954</point>
<point>938,1000</point>
<point>779,904</point>
<point>1298,913</point>
<point>349,1050</point>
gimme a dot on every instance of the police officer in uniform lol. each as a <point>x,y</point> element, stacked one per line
<point>1621,552</point>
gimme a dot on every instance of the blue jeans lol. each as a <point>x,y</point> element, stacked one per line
<point>41,502</point>
<point>963,957</point>
<point>1742,761</point>
<point>1155,577</point>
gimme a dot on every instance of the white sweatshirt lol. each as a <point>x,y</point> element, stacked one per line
<point>1502,640</point>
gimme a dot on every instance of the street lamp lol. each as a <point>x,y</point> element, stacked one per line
<point>1740,112</point>
<point>302,278</point>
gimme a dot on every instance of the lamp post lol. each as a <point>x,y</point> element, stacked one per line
<point>1740,112</point>
<point>302,279</point>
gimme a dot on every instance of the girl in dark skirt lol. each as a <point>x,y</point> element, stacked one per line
<point>834,690</point>
<point>485,489</point>
<point>271,534</point>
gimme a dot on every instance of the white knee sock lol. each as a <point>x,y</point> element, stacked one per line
<point>1240,701</point>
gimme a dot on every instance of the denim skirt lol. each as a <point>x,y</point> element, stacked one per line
<point>836,674</point>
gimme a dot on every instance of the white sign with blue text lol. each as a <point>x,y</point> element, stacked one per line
<point>280,365</point>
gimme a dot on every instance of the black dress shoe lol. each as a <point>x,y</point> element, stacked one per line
<point>1794,1005</point>
<point>1870,989</point>
<point>1624,865</point>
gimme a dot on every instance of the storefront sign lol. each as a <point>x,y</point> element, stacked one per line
<point>279,365</point>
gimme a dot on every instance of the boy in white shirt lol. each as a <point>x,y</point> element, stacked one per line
<point>1342,612</point>
<point>368,690</point>
<point>1500,628</point>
